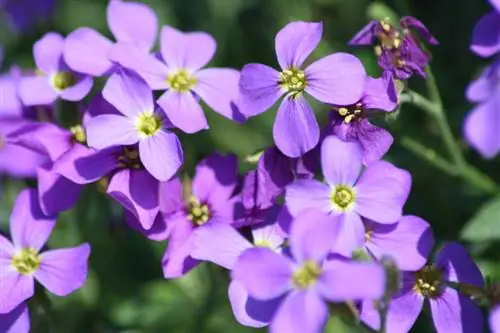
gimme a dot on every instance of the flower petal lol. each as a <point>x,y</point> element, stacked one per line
<point>77,92</point>
<point>132,22</point>
<point>110,130</point>
<point>177,260</point>
<point>36,90</point>
<point>184,111</point>
<point>16,288</point>
<point>486,37</point>
<point>190,51</point>
<point>16,321</point>
<point>382,191</point>
<point>481,89</point>
<point>305,193</point>
<point>161,154</point>
<point>296,41</point>
<point>341,161</point>
<point>159,231</point>
<point>337,79</point>
<point>48,51</point>
<point>351,234</point>
<point>271,273</point>
<point>295,130</point>
<point>171,196</point>
<point>458,266</point>
<point>495,319</point>
<point>374,140</point>
<point>380,94</point>
<point>29,226</point>
<point>366,35</point>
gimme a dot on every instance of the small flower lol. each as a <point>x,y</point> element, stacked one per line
<point>336,79</point>
<point>53,79</point>
<point>16,321</point>
<point>60,271</point>
<point>305,281</point>
<point>130,22</point>
<point>485,37</point>
<point>139,123</point>
<point>378,193</point>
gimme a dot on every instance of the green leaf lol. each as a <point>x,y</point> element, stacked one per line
<point>485,225</point>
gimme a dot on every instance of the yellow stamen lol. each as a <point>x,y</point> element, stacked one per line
<point>428,282</point>
<point>181,81</point>
<point>306,275</point>
<point>148,124</point>
<point>78,134</point>
<point>63,80</point>
<point>293,80</point>
<point>27,261</point>
<point>343,197</point>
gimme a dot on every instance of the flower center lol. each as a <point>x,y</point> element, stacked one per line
<point>343,197</point>
<point>148,124</point>
<point>389,37</point>
<point>262,243</point>
<point>130,158</point>
<point>428,282</point>
<point>306,275</point>
<point>293,80</point>
<point>181,81</point>
<point>27,261</point>
<point>351,112</point>
<point>198,213</point>
<point>78,134</point>
<point>63,80</point>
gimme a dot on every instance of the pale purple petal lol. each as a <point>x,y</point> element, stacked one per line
<point>270,234</point>
<point>300,312</point>
<point>271,273</point>
<point>184,111</point>
<point>495,319</point>
<point>486,35</point>
<point>375,141</point>
<point>82,58</point>
<point>495,4</point>
<point>29,226</point>
<point>78,91</point>
<point>110,130</point>
<point>159,231</point>
<point>296,41</point>
<point>48,52</point>
<point>6,248</point>
<point>351,233</point>
<point>10,105</point>
<point>295,130</point>
<point>380,94</point>
<point>341,161</point>
<point>337,79</point>
<point>482,125</point>
<point>36,90</point>
<point>132,22</point>
<point>343,281</point>
<point>16,321</point>
<point>481,89</point>
<point>177,259</point>
<point>458,266</point>
<point>171,196</point>
<point>305,193</point>
<point>260,89</point>
<point>382,191</point>
<point>190,51</point>
<point>366,35</point>
<point>161,154</point>
<point>65,270</point>
<point>16,288</point>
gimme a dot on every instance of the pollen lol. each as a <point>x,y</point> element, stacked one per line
<point>148,124</point>
<point>78,134</point>
<point>181,81</point>
<point>343,198</point>
<point>293,80</point>
<point>62,80</point>
<point>351,112</point>
<point>27,261</point>
<point>263,243</point>
<point>306,275</point>
<point>428,282</point>
<point>130,158</point>
<point>197,212</point>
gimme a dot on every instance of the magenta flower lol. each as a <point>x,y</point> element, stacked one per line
<point>22,262</point>
<point>305,281</point>
<point>336,79</point>
<point>139,123</point>
<point>181,74</point>
<point>54,78</point>
<point>451,311</point>
<point>130,22</point>
<point>486,34</point>
<point>377,193</point>
<point>16,321</point>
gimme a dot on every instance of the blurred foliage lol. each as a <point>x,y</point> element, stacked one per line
<point>125,291</point>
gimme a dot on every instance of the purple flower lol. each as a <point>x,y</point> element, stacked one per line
<point>23,14</point>
<point>482,125</point>
<point>377,193</point>
<point>350,122</point>
<point>451,311</point>
<point>305,280</point>
<point>486,34</point>
<point>16,321</point>
<point>139,123</point>
<point>54,78</point>
<point>495,319</point>
<point>336,79</point>
<point>398,50</point>
<point>210,202</point>
<point>181,75</point>
<point>22,262</point>
<point>129,22</point>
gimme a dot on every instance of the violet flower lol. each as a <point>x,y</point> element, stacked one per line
<point>306,280</point>
<point>23,14</point>
<point>494,319</point>
<point>181,74</point>
<point>486,34</point>
<point>350,122</point>
<point>336,79</point>
<point>377,193</point>
<point>451,311</point>
<point>139,123</point>
<point>54,79</point>
<point>16,321</point>
<point>130,22</point>
<point>61,271</point>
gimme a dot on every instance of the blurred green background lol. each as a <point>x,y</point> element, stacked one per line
<point>125,291</point>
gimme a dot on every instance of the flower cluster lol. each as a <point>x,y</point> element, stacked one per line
<point>319,220</point>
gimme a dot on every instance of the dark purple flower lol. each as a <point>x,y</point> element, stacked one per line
<point>22,14</point>
<point>21,262</point>
<point>378,193</point>
<point>16,321</point>
<point>486,34</point>
<point>130,22</point>
<point>138,123</point>
<point>180,72</point>
<point>306,280</point>
<point>336,79</point>
<point>54,79</point>
<point>451,311</point>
